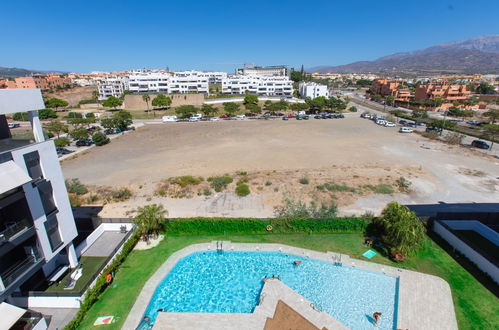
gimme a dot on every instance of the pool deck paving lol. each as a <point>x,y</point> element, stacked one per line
<point>424,301</point>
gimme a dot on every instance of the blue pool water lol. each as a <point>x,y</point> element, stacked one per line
<point>230,282</point>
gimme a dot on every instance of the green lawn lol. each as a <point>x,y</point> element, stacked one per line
<point>90,267</point>
<point>476,307</point>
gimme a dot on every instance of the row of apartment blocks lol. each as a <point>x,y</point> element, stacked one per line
<point>43,82</point>
<point>448,93</point>
<point>37,227</point>
<point>182,82</point>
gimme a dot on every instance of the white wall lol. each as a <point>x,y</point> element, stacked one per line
<point>20,100</point>
<point>47,302</point>
<point>475,257</point>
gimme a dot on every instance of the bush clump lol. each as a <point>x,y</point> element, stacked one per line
<point>304,181</point>
<point>298,209</point>
<point>61,142</point>
<point>381,188</point>
<point>219,183</point>
<point>20,116</point>
<point>121,194</point>
<point>74,186</point>
<point>100,139</point>
<point>242,190</point>
<point>330,186</point>
<point>186,180</point>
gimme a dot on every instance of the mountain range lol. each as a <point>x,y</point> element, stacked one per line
<point>18,72</point>
<point>475,55</point>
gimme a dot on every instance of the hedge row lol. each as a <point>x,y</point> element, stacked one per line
<point>93,294</point>
<point>221,226</point>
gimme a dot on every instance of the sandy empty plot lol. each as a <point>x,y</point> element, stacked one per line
<point>342,148</point>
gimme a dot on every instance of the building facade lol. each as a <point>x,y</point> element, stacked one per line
<point>43,82</point>
<point>265,71</point>
<point>36,222</point>
<point>448,93</point>
<point>391,88</point>
<point>258,85</point>
<point>112,86</point>
<point>312,90</point>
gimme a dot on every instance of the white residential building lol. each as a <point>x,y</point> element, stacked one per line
<point>312,90</point>
<point>188,82</point>
<point>36,222</point>
<point>112,86</point>
<point>265,71</point>
<point>271,86</point>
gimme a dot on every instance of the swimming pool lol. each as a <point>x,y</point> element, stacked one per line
<point>231,282</point>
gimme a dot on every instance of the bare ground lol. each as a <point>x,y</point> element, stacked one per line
<point>351,152</point>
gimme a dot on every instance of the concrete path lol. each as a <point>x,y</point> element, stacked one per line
<point>60,316</point>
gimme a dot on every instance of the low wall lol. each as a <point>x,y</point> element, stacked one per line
<point>48,302</point>
<point>480,261</point>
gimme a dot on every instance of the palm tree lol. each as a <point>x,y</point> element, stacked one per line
<point>146,99</point>
<point>150,220</point>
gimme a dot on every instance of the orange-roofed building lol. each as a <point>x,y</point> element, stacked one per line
<point>6,83</point>
<point>393,88</point>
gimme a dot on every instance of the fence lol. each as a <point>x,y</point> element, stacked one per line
<point>444,229</point>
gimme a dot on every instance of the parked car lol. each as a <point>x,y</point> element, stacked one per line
<point>285,118</point>
<point>403,122</point>
<point>240,117</point>
<point>193,119</point>
<point>306,117</point>
<point>168,119</point>
<point>432,129</point>
<point>410,124</point>
<point>14,125</point>
<point>480,144</point>
<point>318,117</point>
<point>299,118</point>
<point>84,143</point>
<point>420,123</point>
<point>365,115</point>
<point>389,124</point>
<point>406,130</point>
<point>223,117</point>
<point>472,122</point>
<point>112,131</point>
<point>381,122</point>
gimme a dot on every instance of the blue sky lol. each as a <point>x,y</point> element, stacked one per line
<point>87,35</point>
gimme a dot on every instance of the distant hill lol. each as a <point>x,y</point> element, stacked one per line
<point>475,55</point>
<point>18,72</point>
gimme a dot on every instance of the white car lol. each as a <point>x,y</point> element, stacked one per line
<point>193,119</point>
<point>241,117</point>
<point>215,119</point>
<point>405,130</point>
<point>389,124</point>
<point>167,119</point>
<point>381,122</point>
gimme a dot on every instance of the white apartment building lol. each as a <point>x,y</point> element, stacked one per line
<point>189,82</point>
<point>312,90</point>
<point>112,86</point>
<point>266,71</point>
<point>36,222</point>
<point>271,86</point>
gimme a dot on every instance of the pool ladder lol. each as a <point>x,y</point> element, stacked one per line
<point>337,259</point>
<point>219,246</point>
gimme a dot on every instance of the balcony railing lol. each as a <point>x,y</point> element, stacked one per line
<point>15,271</point>
<point>14,229</point>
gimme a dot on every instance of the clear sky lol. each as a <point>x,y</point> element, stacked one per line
<point>88,35</point>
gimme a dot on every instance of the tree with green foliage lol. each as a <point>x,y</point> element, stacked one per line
<point>492,114</point>
<point>352,109</point>
<point>390,100</point>
<point>253,108</point>
<point>493,131</point>
<point>230,108</point>
<point>122,119</point>
<point>250,99</point>
<point>79,134</point>
<point>74,115</point>
<point>100,139</point>
<point>47,114</point>
<point>298,106</point>
<point>107,123</point>
<point>20,116</point>
<point>185,111</point>
<point>485,88</point>
<point>112,102</point>
<point>56,127</point>
<point>442,124</point>
<point>419,114</point>
<point>61,142</point>
<point>161,101</point>
<point>56,103</point>
<point>150,220</point>
<point>401,230</point>
<point>146,98</point>
<point>317,104</point>
<point>208,110</point>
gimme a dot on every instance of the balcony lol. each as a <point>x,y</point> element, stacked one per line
<point>19,268</point>
<point>14,229</point>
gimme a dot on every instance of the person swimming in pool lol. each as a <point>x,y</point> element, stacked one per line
<point>376,317</point>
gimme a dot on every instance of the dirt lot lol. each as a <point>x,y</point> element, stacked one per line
<point>354,156</point>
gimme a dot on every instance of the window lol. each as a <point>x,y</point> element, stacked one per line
<point>52,229</point>
<point>32,161</point>
<point>46,195</point>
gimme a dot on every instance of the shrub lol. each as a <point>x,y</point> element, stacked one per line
<point>61,142</point>
<point>100,139</point>
<point>219,183</point>
<point>242,173</point>
<point>160,192</point>
<point>453,138</point>
<point>150,220</point>
<point>352,109</point>
<point>381,188</point>
<point>186,180</point>
<point>20,116</point>
<point>330,186</point>
<point>298,209</point>
<point>206,192</point>
<point>304,181</point>
<point>242,190</point>
<point>268,183</point>
<point>74,115</point>
<point>403,184</point>
<point>74,200</point>
<point>74,186</point>
<point>121,194</point>
<point>92,198</point>
<point>242,180</point>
